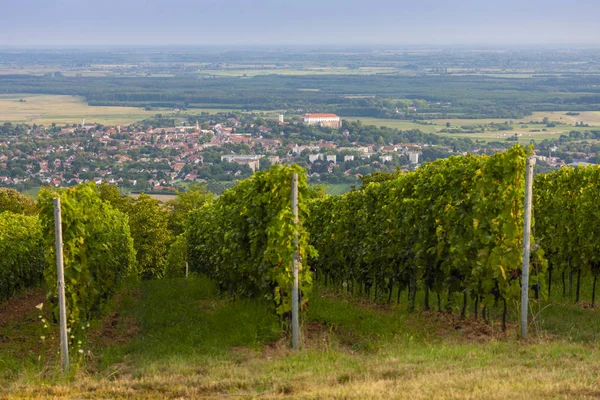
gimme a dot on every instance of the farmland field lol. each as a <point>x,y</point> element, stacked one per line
<point>395,124</point>
<point>520,126</point>
<point>309,71</point>
<point>59,109</point>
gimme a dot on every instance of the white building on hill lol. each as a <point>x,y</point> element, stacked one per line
<point>326,120</point>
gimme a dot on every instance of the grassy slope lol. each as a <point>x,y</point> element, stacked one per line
<point>179,339</point>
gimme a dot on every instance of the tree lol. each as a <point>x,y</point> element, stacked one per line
<point>149,224</point>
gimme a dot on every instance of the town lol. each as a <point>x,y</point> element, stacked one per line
<point>158,158</point>
<point>163,153</point>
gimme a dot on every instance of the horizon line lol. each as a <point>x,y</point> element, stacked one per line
<point>312,45</point>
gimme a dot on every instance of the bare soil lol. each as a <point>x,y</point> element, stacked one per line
<point>16,308</point>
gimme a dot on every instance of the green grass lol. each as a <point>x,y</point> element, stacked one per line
<point>335,189</point>
<point>219,187</point>
<point>181,339</point>
<point>187,318</point>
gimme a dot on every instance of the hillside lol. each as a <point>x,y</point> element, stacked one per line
<point>179,339</point>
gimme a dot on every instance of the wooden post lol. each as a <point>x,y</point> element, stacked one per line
<point>187,269</point>
<point>295,286</point>
<point>526,245</point>
<point>62,307</point>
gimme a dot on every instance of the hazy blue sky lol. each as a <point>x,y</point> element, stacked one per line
<point>80,22</point>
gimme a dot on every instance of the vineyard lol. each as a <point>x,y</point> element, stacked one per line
<point>440,246</point>
<point>568,216</point>
<point>245,239</point>
<point>454,227</point>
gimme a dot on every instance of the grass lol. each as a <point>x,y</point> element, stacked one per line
<point>219,187</point>
<point>180,339</point>
<point>186,320</point>
<point>335,189</point>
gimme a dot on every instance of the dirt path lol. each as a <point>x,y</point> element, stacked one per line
<point>17,307</point>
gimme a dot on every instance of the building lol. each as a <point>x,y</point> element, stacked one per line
<point>413,157</point>
<point>325,120</point>
<point>299,149</point>
<point>332,158</point>
<point>314,157</point>
<point>252,161</point>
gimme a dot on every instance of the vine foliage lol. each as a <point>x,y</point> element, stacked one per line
<point>21,246</point>
<point>566,203</point>
<point>244,240</point>
<point>97,249</point>
<point>453,226</point>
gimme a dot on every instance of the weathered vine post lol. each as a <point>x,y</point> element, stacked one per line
<point>526,245</point>
<point>62,307</point>
<point>295,306</point>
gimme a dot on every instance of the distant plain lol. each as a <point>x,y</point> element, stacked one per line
<point>63,109</point>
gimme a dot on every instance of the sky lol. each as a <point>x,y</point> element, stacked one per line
<point>298,22</point>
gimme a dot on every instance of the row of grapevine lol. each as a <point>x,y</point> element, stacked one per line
<point>568,224</point>
<point>97,248</point>
<point>245,239</point>
<point>21,245</point>
<point>15,202</point>
<point>152,226</point>
<point>452,226</point>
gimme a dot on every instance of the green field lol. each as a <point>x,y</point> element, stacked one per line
<point>591,118</point>
<point>180,339</point>
<point>396,124</point>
